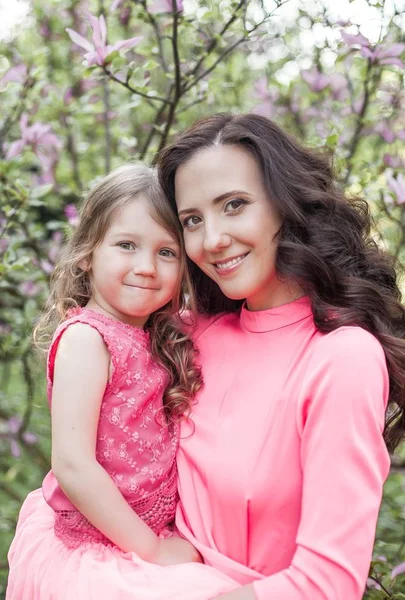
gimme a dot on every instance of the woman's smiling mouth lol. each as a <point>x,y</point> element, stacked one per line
<point>229,265</point>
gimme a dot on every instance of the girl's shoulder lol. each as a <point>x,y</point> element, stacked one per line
<point>108,327</point>
<point>124,342</point>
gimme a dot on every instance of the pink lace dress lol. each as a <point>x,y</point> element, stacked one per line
<point>56,553</point>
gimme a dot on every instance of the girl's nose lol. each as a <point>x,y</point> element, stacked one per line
<point>145,265</point>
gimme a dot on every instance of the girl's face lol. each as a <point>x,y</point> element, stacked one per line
<point>137,267</point>
<point>230,225</point>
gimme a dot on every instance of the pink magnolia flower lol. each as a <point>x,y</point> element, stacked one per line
<point>111,114</point>
<point>4,244</point>
<point>316,80</point>
<point>338,86</point>
<point>384,53</point>
<point>46,266</point>
<point>267,97</point>
<point>45,30</point>
<point>395,162</point>
<point>72,215</point>
<point>68,97</point>
<point>355,40</point>
<point>87,84</point>
<point>94,98</point>
<point>372,584</point>
<point>383,128</point>
<point>358,105</point>
<point>398,570</point>
<point>5,328</point>
<point>29,289</point>
<point>55,246</point>
<point>97,53</point>
<point>43,142</point>
<point>15,74</point>
<point>397,186</point>
<point>13,426</point>
<point>165,6</point>
<point>38,136</point>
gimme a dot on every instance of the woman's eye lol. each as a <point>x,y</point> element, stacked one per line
<point>234,205</point>
<point>191,222</point>
<point>126,245</point>
<point>167,253</point>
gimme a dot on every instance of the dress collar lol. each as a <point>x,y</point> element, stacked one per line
<point>275,318</point>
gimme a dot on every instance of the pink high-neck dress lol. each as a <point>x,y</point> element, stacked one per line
<point>56,553</point>
<point>281,473</point>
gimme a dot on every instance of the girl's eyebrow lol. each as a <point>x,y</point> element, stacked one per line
<point>217,200</point>
<point>126,235</point>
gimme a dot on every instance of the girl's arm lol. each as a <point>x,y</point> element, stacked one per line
<point>80,378</point>
<point>344,462</point>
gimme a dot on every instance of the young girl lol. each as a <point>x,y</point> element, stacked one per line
<point>120,376</point>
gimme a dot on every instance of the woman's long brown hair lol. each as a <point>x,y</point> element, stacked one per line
<point>324,242</point>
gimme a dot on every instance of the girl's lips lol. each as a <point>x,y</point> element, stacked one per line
<point>230,265</point>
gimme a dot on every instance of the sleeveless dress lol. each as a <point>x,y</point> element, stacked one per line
<point>56,553</point>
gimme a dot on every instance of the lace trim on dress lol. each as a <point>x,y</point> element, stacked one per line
<point>156,509</point>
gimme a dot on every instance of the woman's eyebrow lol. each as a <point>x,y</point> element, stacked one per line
<point>217,200</point>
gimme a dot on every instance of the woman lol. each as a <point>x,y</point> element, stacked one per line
<point>302,351</point>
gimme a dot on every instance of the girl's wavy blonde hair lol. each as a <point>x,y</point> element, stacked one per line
<point>70,284</point>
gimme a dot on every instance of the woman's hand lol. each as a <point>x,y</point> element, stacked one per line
<point>175,550</point>
<point>243,593</point>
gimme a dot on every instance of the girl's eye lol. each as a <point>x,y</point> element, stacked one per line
<point>190,222</point>
<point>126,245</point>
<point>234,205</point>
<point>168,253</point>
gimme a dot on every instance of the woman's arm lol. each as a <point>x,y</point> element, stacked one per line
<point>345,463</point>
<point>80,378</point>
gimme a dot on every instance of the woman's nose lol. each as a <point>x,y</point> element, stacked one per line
<point>215,239</point>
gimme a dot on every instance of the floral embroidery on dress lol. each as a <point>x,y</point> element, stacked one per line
<point>134,443</point>
<point>156,509</point>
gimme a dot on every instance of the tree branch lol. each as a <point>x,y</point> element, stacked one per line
<point>71,148</point>
<point>191,84</point>
<point>17,110</point>
<point>158,35</point>
<point>214,41</point>
<point>177,82</point>
<point>381,586</point>
<point>29,382</point>
<point>360,120</point>
<point>176,57</point>
<point>126,85</point>
<point>152,130</point>
<point>107,127</point>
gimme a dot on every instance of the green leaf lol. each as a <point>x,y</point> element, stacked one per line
<point>41,191</point>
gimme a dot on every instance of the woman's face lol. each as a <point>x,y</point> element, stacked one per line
<point>230,224</point>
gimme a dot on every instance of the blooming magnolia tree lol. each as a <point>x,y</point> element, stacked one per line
<point>87,85</point>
